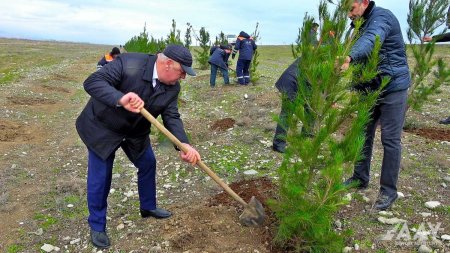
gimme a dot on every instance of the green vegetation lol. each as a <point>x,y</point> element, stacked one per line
<point>15,248</point>
<point>424,18</point>
<point>203,53</point>
<point>254,75</point>
<point>316,159</point>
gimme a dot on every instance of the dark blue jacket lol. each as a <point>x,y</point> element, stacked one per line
<point>103,126</point>
<point>219,58</point>
<point>287,83</point>
<point>245,45</point>
<point>393,62</point>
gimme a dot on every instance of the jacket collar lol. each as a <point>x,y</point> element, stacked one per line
<point>148,68</point>
<point>366,13</point>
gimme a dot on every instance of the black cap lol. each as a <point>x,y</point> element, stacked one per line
<point>181,55</point>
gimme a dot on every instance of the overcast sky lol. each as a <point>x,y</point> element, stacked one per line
<point>113,22</point>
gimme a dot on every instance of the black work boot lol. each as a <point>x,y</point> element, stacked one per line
<point>445,121</point>
<point>100,239</point>
<point>157,213</point>
<point>354,182</point>
<point>384,201</point>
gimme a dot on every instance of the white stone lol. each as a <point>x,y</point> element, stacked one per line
<point>366,199</point>
<point>245,96</point>
<point>250,172</point>
<point>47,247</point>
<point>348,197</point>
<point>400,195</point>
<point>66,238</point>
<point>356,247</point>
<point>347,249</point>
<point>75,241</point>
<point>116,175</point>
<point>129,194</point>
<point>444,185</point>
<point>445,237</point>
<point>386,213</point>
<point>112,190</point>
<point>70,205</point>
<point>424,249</point>
<point>432,204</point>
<point>120,226</point>
<point>447,179</point>
<point>425,214</point>
<point>390,221</point>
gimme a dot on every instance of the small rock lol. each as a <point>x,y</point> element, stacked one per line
<point>338,224</point>
<point>70,205</point>
<point>66,238</point>
<point>47,247</point>
<point>112,190</point>
<point>120,226</point>
<point>245,96</point>
<point>347,249</point>
<point>386,213</point>
<point>116,175</point>
<point>432,204</point>
<point>250,172</point>
<point>390,221</point>
<point>425,214</point>
<point>444,185</point>
<point>424,249</point>
<point>155,249</point>
<point>39,232</point>
<point>366,199</point>
<point>75,241</point>
<point>445,237</point>
<point>356,247</point>
<point>129,194</point>
<point>400,195</point>
<point>348,197</point>
<point>447,179</point>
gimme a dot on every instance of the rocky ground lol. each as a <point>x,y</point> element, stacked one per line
<point>43,165</point>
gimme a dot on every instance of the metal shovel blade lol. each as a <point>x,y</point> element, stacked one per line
<point>253,214</point>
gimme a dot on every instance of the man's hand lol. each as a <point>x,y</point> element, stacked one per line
<point>346,63</point>
<point>191,156</point>
<point>132,102</point>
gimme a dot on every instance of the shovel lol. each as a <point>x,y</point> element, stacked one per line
<point>253,214</point>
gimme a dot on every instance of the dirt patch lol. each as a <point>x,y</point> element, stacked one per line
<point>223,124</point>
<point>55,88</point>
<point>22,100</point>
<point>12,132</point>
<point>431,133</point>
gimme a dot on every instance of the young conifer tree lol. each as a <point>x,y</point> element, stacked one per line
<point>310,177</point>
<point>187,36</point>
<point>424,17</point>
<point>174,37</point>
<point>144,43</point>
<point>254,75</point>
<point>203,53</point>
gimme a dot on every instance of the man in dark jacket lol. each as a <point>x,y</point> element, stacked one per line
<point>246,47</point>
<point>287,85</point>
<point>109,57</point>
<point>390,108</point>
<point>219,60</point>
<point>445,37</point>
<point>111,119</point>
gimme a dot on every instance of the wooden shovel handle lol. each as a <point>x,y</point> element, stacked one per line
<point>181,146</point>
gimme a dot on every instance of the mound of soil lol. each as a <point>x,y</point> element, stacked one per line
<point>431,133</point>
<point>12,131</point>
<point>223,124</point>
<point>21,100</point>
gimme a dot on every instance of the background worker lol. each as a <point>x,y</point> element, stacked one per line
<point>246,47</point>
<point>109,57</point>
<point>219,60</point>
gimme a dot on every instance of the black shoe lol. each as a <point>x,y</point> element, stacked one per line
<point>278,149</point>
<point>158,213</point>
<point>384,201</point>
<point>355,183</point>
<point>100,239</point>
<point>445,121</point>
